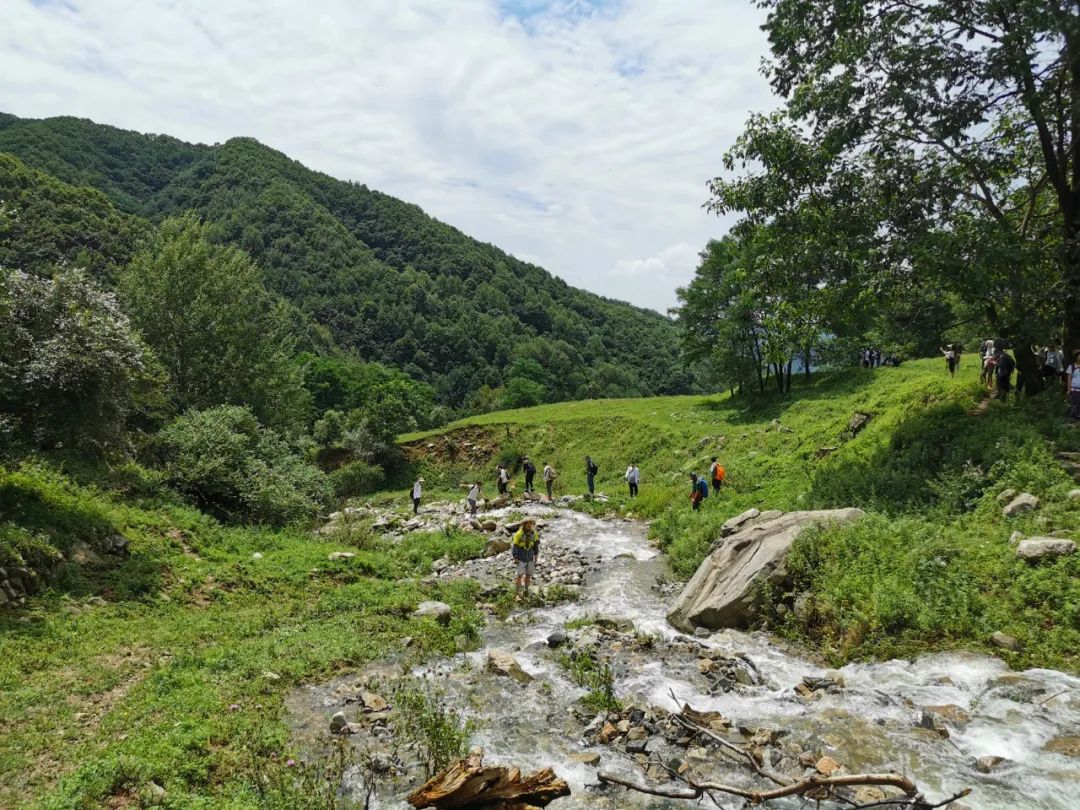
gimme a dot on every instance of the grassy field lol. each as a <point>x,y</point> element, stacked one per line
<point>178,675</point>
<point>931,568</point>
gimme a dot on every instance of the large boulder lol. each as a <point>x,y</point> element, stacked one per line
<point>1037,548</point>
<point>723,591</point>
<point>1021,504</point>
<point>439,611</point>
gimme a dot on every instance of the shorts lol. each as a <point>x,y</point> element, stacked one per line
<point>527,569</point>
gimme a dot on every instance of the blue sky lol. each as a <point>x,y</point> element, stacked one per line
<point>578,134</point>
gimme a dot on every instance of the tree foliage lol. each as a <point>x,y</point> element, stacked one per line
<point>72,370</point>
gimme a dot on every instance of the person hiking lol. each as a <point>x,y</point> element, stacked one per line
<point>699,491</point>
<point>590,474</point>
<point>549,476</point>
<point>502,478</point>
<point>989,360</point>
<point>530,472</point>
<point>1053,365</point>
<point>417,491</point>
<point>1003,369</point>
<point>526,548</point>
<point>633,475</point>
<point>950,359</point>
<point>473,497</point>
<point>716,474</point>
<point>1072,386</point>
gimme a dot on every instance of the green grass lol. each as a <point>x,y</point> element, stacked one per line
<point>168,681</point>
<point>931,568</point>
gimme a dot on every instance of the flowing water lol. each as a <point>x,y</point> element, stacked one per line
<point>871,725</point>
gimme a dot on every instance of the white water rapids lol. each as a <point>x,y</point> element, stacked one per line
<point>871,725</point>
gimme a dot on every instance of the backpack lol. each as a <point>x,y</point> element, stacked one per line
<point>1005,365</point>
<point>719,473</point>
<point>593,469</point>
<point>703,488</point>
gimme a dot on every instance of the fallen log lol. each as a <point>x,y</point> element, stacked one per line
<point>470,785</point>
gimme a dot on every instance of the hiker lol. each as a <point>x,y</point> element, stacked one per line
<point>549,479</point>
<point>1053,364</point>
<point>1003,369</point>
<point>590,474</point>
<point>950,359</point>
<point>989,360</point>
<point>473,497</point>
<point>530,471</point>
<point>699,491</point>
<point>716,474</point>
<point>1072,386</point>
<point>633,475</point>
<point>526,548</point>
<point>417,491</point>
<point>502,478</point>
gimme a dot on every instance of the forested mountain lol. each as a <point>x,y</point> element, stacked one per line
<point>388,281</point>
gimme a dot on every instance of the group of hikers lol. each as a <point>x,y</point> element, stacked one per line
<point>873,358</point>
<point>998,365</point>
<point>699,485</point>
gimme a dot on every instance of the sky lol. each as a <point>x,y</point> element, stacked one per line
<point>575,134</point>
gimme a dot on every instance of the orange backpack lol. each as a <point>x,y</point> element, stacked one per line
<point>719,474</point>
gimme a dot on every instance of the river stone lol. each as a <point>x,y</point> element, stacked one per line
<point>557,638</point>
<point>586,758</point>
<point>826,766</point>
<point>1021,504</point>
<point>1015,538</point>
<point>495,546</point>
<point>1005,641</point>
<point>1067,746</point>
<point>1038,548</point>
<point>504,664</point>
<point>989,764</point>
<point>339,724</point>
<point>373,702</point>
<point>1006,495</point>
<point>440,611</point>
<point>724,589</point>
<point>637,746</point>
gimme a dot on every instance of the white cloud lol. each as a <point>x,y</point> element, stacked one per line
<point>579,133</point>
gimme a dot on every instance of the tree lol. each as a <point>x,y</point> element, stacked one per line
<point>72,370</point>
<point>961,87</point>
<point>222,338</point>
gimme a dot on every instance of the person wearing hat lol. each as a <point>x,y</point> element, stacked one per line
<point>417,491</point>
<point>1072,385</point>
<point>526,548</point>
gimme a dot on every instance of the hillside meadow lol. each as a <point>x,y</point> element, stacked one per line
<point>931,567</point>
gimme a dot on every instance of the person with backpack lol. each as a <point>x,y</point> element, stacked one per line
<point>473,497</point>
<point>950,359</point>
<point>1003,369</point>
<point>716,474</point>
<point>525,546</point>
<point>530,472</point>
<point>502,478</point>
<point>590,474</point>
<point>415,493</point>
<point>699,491</point>
<point>549,476</point>
<point>1053,363</point>
<point>633,475</point>
<point>1072,386</point>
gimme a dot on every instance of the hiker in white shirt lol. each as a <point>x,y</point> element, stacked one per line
<point>633,475</point>
<point>417,491</point>
<point>473,497</point>
<point>549,479</point>
<point>1053,362</point>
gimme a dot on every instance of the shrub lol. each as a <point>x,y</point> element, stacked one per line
<point>356,478</point>
<point>223,458</point>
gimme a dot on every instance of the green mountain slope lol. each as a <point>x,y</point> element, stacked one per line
<point>389,281</point>
<point>932,565</point>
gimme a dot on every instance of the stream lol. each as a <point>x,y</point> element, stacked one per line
<point>871,724</point>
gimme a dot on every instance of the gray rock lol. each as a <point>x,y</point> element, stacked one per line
<point>1005,641</point>
<point>1006,495</point>
<point>637,746</point>
<point>702,632</point>
<point>340,555</point>
<point>339,724</point>
<point>82,554</point>
<point>586,758</point>
<point>557,638</point>
<point>1016,537</point>
<point>1074,495</point>
<point>1038,548</point>
<point>439,611</point>
<point>495,546</point>
<point>723,591</point>
<point>1023,503</point>
<point>732,525</point>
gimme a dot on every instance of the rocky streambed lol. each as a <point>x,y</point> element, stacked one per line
<point>604,683</point>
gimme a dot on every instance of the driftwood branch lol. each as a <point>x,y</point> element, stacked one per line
<point>468,783</point>
<point>810,786</point>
